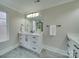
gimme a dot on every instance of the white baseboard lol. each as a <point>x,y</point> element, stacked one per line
<point>55,50</point>
<point>8,49</point>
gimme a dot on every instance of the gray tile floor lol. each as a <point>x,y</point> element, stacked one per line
<point>20,52</point>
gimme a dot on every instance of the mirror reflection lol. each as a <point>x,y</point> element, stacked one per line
<point>36,23</point>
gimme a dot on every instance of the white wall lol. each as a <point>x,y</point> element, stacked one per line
<point>66,15</point>
<point>14,19</point>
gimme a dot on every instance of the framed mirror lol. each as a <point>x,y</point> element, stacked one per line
<point>36,22</point>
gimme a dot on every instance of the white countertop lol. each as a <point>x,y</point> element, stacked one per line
<point>27,33</point>
<point>74,37</point>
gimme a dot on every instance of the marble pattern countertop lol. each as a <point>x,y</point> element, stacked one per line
<point>27,33</point>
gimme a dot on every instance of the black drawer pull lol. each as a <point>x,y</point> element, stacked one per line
<point>33,37</point>
<point>34,42</point>
<point>34,48</point>
<point>76,46</point>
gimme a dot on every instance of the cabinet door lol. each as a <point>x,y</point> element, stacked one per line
<point>21,36</point>
<point>70,48</point>
<point>24,41</point>
<point>76,53</point>
<point>73,49</point>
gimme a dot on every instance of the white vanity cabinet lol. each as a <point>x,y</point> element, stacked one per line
<point>32,41</point>
<point>73,45</point>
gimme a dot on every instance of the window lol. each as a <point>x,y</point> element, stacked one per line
<point>3,27</point>
<point>2,18</point>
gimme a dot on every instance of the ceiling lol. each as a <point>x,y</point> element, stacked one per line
<point>30,6</point>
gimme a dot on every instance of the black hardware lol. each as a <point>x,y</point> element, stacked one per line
<point>76,46</point>
<point>34,42</point>
<point>33,48</point>
<point>75,53</point>
<point>33,37</point>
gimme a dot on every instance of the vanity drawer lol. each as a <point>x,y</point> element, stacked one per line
<point>35,42</point>
<point>34,37</point>
<point>36,48</point>
<point>76,45</point>
<point>73,49</point>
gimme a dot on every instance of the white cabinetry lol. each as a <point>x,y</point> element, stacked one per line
<point>32,41</point>
<point>73,45</point>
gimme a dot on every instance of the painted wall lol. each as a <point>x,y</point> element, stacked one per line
<point>14,19</point>
<point>66,15</point>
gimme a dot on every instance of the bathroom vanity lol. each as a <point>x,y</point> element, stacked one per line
<point>30,36</point>
<point>73,45</point>
<point>31,41</point>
